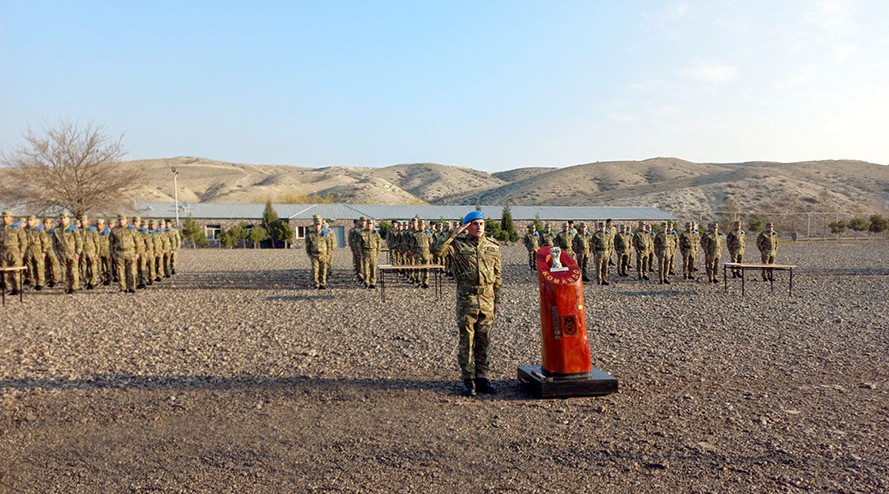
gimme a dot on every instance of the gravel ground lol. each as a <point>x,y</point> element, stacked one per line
<point>235,377</point>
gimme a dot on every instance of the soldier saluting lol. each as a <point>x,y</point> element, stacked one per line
<point>477,267</point>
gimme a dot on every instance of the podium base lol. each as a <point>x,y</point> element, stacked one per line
<point>596,383</point>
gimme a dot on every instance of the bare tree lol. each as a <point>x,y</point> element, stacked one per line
<point>69,167</point>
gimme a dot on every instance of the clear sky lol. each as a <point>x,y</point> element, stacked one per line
<point>487,84</point>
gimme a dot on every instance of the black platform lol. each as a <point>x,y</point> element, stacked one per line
<point>596,383</point>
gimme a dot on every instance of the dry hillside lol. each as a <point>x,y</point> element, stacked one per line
<point>679,186</point>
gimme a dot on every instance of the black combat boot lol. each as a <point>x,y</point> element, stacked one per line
<point>483,385</point>
<point>468,387</point>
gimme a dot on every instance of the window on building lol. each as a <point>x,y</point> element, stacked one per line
<point>212,232</point>
<point>301,232</point>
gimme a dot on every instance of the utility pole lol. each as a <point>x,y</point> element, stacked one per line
<point>176,195</point>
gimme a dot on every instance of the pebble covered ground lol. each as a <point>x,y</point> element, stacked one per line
<point>234,376</point>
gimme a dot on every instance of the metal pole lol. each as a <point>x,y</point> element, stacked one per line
<point>176,195</point>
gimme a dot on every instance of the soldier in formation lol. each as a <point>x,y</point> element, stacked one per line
<point>600,247</point>
<point>583,249</point>
<point>369,243</point>
<point>13,246</point>
<point>623,246</point>
<point>565,239</point>
<point>736,241</point>
<point>82,252</point>
<point>644,246</point>
<point>712,244</point>
<point>689,241</point>
<point>320,252</point>
<point>767,243</point>
<point>532,243</point>
<point>665,244</point>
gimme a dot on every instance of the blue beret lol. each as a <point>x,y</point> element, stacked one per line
<point>472,216</point>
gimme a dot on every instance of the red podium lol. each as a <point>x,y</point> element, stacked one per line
<point>567,368</point>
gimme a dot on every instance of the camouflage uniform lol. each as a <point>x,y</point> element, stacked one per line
<point>353,240</point>
<point>582,250</point>
<point>736,242</point>
<point>477,269</point>
<point>35,257</point>
<point>644,246</point>
<point>767,243</point>
<point>122,242</point>
<point>623,245</point>
<point>158,261</point>
<point>104,244</point>
<point>665,251</point>
<point>369,245</point>
<point>688,249</point>
<point>565,241</point>
<point>317,250</point>
<point>52,269</point>
<point>712,243</point>
<point>13,244</point>
<point>601,245</point>
<point>89,258</point>
<point>532,243</point>
<point>421,243</point>
<point>175,244</point>
<point>68,245</point>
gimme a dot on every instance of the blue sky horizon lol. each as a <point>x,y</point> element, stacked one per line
<point>492,85</point>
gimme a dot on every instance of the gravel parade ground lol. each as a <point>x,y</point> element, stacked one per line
<point>234,376</point>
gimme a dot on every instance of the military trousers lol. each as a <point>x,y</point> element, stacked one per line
<point>369,267</point>
<point>601,258</point>
<point>89,269</point>
<point>475,318</point>
<point>623,262</point>
<point>125,265</point>
<point>583,262</point>
<point>37,268</point>
<point>643,264</point>
<point>51,268</point>
<point>532,259</point>
<point>423,275</point>
<point>174,255</point>
<point>665,264</point>
<point>712,267</point>
<point>11,259</point>
<point>767,258</point>
<point>688,262</point>
<point>72,272</point>
<point>142,269</point>
<point>105,268</point>
<point>320,268</point>
<point>738,257</point>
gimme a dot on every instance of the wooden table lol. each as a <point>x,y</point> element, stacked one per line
<point>437,271</point>
<point>744,267</point>
<point>20,271</point>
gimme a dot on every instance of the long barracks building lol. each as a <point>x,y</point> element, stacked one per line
<point>215,216</point>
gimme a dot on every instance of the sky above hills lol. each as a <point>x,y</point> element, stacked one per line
<point>491,85</point>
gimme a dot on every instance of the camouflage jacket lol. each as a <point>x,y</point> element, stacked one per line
<point>13,239</point>
<point>582,243</point>
<point>122,241</point>
<point>712,244</point>
<point>688,241</point>
<point>316,244</point>
<point>532,241</point>
<point>476,263</point>
<point>736,241</point>
<point>103,242</point>
<point>642,242</point>
<point>90,239</point>
<point>67,241</point>
<point>623,242</point>
<point>767,244</point>
<point>565,241</point>
<point>369,242</point>
<point>38,241</point>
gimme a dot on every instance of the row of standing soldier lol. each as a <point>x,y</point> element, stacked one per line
<point>134,255</point>
<point>598,248</point>
<point>410,244</point>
